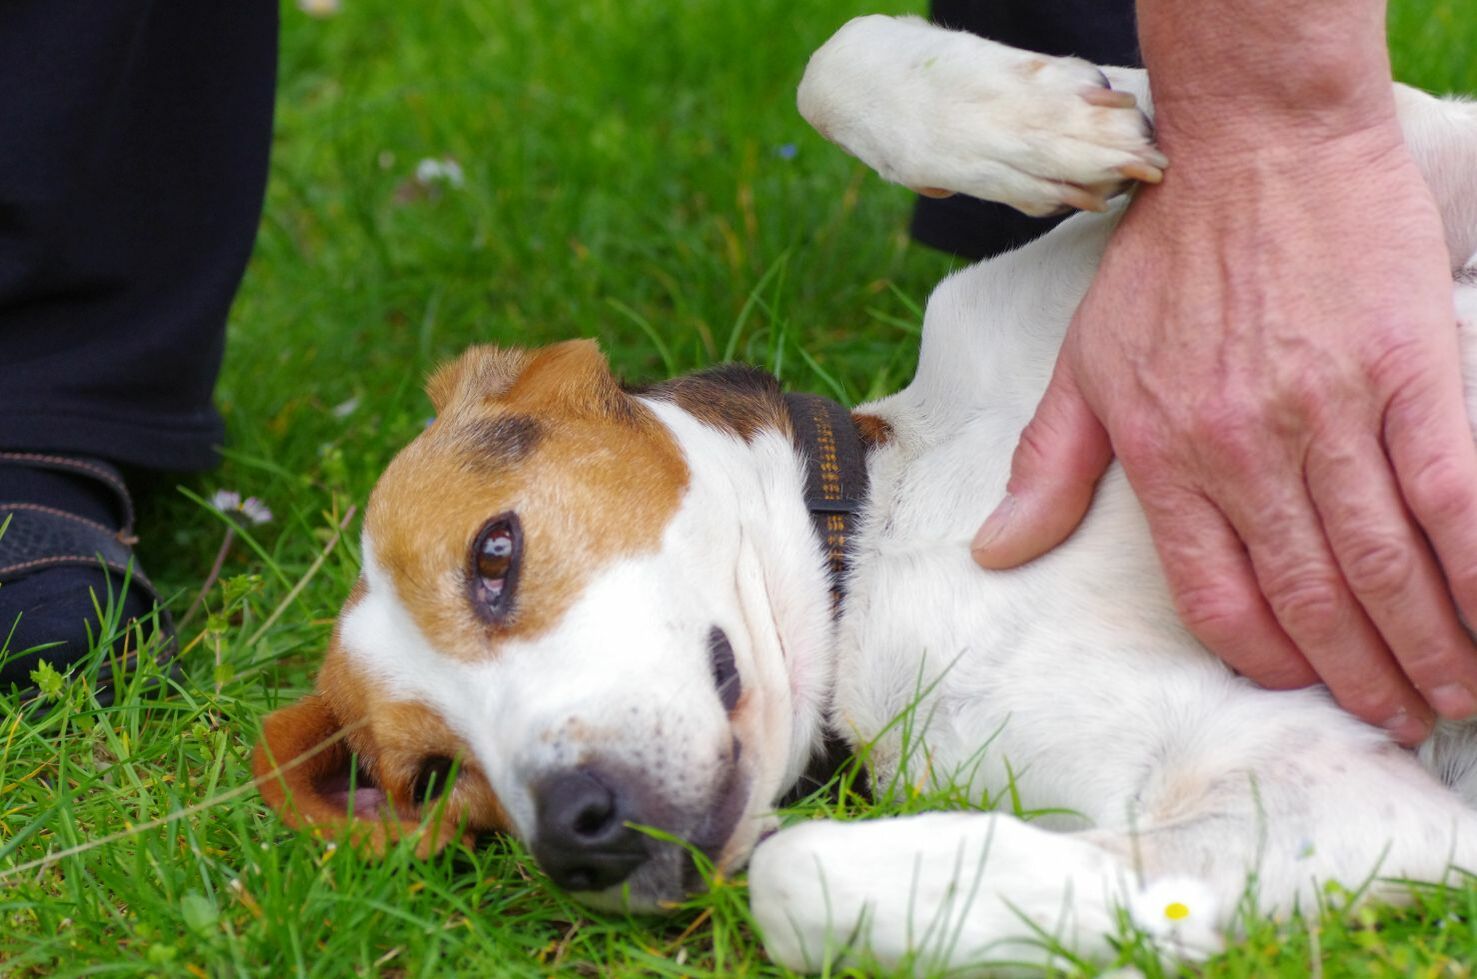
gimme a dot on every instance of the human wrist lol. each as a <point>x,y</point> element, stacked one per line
<point>1251,72</point>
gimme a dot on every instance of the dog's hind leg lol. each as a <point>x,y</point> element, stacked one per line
<point>1330,800</point>
<point>1309,805</point>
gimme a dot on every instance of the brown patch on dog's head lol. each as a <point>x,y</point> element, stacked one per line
<point>731,397</point>
<point>550,437</point>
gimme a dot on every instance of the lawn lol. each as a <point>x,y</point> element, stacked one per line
<point>633,171</point>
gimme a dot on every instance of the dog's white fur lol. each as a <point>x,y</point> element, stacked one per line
<point>1069,679</point>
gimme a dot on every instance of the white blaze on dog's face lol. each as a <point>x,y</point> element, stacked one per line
<point>553,598</point>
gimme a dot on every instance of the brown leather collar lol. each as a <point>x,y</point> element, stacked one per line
<point>836,478</point>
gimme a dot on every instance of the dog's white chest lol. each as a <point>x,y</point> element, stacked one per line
<point>987,670</point>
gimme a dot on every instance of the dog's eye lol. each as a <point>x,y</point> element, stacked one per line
<point>432,780</point>
<point>494,572</point>
<point>725,670</point>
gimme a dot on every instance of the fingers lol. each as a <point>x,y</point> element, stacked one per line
<point>1216,592</point>
<point>1394,576</point>
<point>1310,622</point>
<point>1430,445</point>
<point>1061,454</point>
<point>1319,613</point>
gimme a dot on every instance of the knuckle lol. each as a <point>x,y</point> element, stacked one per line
<point>1286,673</point>
<point>1142,445</point>
<point>1310,606</point>
<point>1463,584</point>
<point>1380,570</point>
<point>1228,427</point>
<point>1033,452</point>
<point>1402,359</point>
<point>1373,702</point>
<point>1215,613</point>
<point>1439,493</point>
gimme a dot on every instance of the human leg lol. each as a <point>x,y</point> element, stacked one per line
<point>131,180</point>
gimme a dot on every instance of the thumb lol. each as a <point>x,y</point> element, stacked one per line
<point>1060,456</point>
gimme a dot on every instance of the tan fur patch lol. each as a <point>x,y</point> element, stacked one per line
<point>393,741</point>
<point>600,481</point>
<point>875,431</point>
<point>480,372</point>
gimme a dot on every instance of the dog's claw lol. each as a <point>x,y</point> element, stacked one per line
<point>1109,98</point>
<point>1142,172</point>
<point>1082,199</point>
<point>934,192</point>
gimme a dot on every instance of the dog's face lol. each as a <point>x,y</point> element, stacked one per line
<point>549,605</point>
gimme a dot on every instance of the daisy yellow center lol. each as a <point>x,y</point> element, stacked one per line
<point>1175,911</point>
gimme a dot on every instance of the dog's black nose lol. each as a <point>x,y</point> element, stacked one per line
<point>583,842</point>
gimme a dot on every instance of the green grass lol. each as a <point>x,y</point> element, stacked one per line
<point>634,171</point>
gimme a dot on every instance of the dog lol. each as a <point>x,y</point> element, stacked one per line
<point>607,608</point>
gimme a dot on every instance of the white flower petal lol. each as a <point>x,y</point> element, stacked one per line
<point>1180,912</point>
<point>226,501</point>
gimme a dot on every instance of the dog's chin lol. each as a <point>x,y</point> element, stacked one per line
<point>661,884</point>
<point>725,838</point>
<point>669,879</point>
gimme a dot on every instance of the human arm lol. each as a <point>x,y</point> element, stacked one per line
<point>1269,349</point>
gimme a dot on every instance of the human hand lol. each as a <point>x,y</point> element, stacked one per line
<point>1269,348</point>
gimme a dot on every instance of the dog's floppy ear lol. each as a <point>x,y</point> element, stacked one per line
<point>481,373</point>
<point>572,377</point>
<point>304,768</point>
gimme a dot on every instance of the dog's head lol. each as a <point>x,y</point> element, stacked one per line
<point>562,604</point>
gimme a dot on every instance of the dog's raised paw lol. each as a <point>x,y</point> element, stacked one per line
<point>948,111</point>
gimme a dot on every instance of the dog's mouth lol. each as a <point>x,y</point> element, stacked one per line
<point>663,854</point>
<point>356,793</point>
<point>647,862</point>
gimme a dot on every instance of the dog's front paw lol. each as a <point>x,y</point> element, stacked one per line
<point>1055,134</point>
<point>932,893</point>
<point>942,112</point>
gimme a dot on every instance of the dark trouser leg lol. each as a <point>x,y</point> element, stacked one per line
<point>132,167</point>
<point>1102,31</point>
<point>133,157</point>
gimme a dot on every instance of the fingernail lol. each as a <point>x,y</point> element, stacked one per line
<point>1453,701</point>
<point>994,525</point>
<point>1406,728</point>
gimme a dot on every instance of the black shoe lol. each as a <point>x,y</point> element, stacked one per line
<point>68,580</point>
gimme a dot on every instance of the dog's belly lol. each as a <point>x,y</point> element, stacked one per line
<point>1056,679</point>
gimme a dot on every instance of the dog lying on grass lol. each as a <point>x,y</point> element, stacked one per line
<point>610,609</point>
